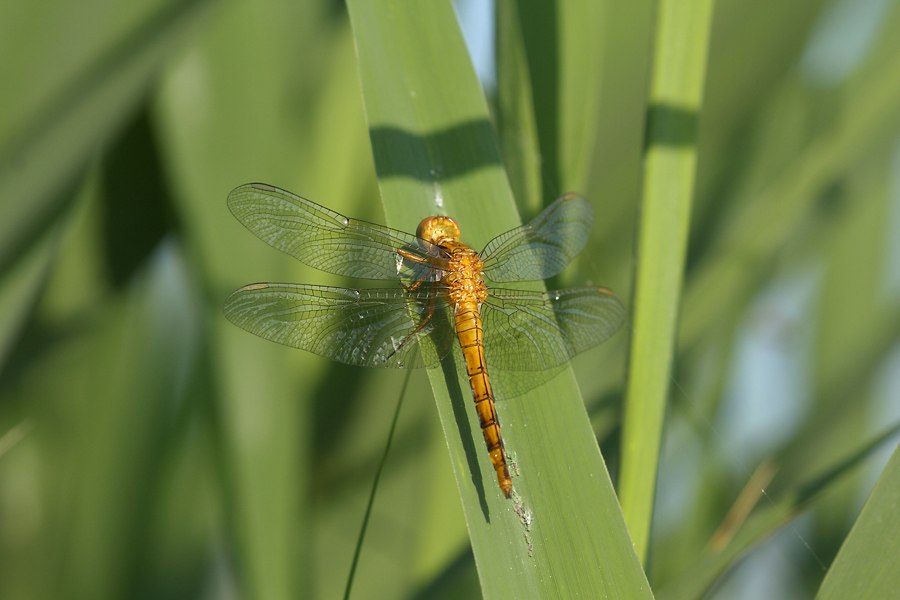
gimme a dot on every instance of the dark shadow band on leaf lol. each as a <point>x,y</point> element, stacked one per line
<point>669,125</point>
<point>458,400</point>
<point>445,154</point>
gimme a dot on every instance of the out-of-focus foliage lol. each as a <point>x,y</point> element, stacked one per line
<point>149,449</point>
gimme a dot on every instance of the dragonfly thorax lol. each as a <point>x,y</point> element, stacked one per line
<point>438,230</point>
<point>463,277</point>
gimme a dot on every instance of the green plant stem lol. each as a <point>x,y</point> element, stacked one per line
<point>365,523</point>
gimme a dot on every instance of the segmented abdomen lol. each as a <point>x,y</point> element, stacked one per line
<point>469,332</point>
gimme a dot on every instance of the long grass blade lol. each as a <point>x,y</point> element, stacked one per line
<point>435,151</point>
<point>682,39</point>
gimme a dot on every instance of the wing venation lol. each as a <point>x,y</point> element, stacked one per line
<point>327,240</point>
<point>533,331</point>
<point>543,247</point>
<point>366,328</point>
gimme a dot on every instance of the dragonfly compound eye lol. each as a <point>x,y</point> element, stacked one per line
<point>438,230</point>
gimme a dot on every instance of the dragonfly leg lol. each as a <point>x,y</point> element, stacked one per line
<point>418,328</point>
<point>413,286</point>
<point>431,262</point>
<point>418,282</point>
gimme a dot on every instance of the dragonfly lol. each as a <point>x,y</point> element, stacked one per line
<point>438,288</point>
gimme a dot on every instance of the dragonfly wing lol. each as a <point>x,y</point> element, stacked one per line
<point>366,328</point>
<point>517,383</point>
<point>543,247</point>
<point>533,331</point>
<point>326,240</point>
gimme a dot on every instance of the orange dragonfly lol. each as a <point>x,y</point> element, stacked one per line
<point>441,281</point>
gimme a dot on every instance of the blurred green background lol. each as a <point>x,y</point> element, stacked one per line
<point>149,449</point>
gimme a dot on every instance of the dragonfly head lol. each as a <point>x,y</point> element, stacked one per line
<point>438,230</point>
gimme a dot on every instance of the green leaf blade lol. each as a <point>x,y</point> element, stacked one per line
<point>866,566</point>
<point>562,535</point>
<point>676,88</point>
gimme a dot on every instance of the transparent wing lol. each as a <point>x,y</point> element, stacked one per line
<point>533,331</point>
<point>543,247</point>
<point>357,327</point>
<point>512,384</point>
<point>326,240</point>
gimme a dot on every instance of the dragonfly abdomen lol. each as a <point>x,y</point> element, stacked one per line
<point>469,332</point>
